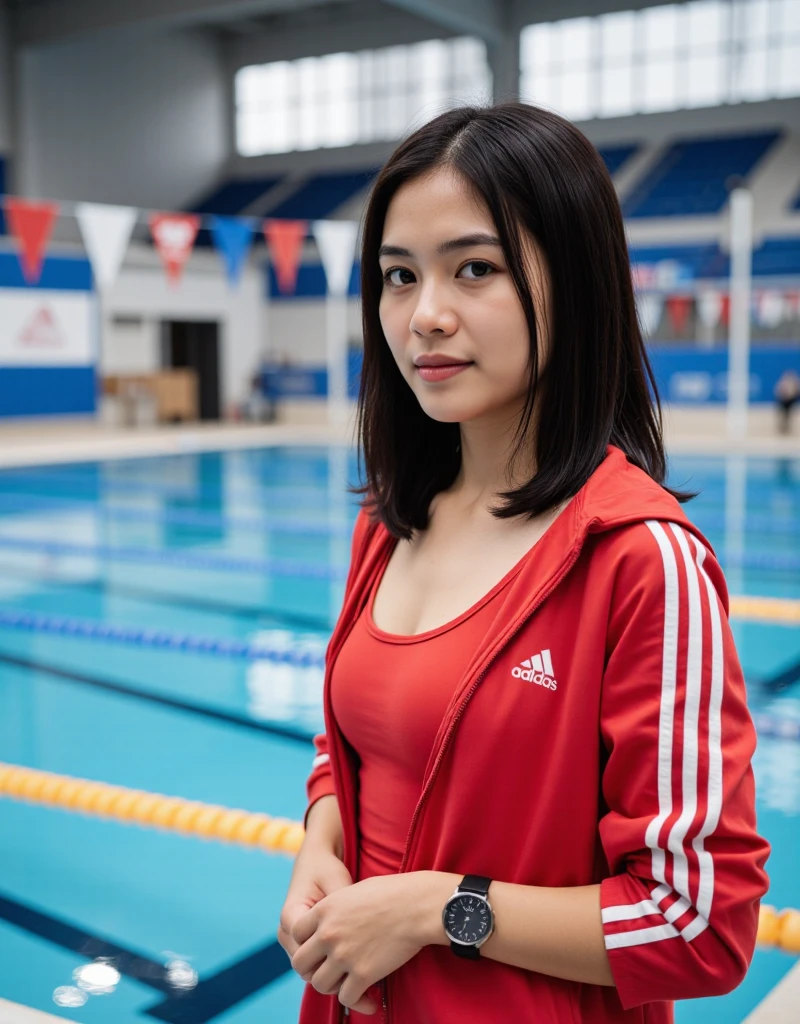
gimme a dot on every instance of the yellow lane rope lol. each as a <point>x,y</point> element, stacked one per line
<point>276,835</point>
<point>766,609</point>
<point>134,806</point>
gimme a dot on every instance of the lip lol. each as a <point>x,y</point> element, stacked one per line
<point>442,371</point>
<point>439,359</point>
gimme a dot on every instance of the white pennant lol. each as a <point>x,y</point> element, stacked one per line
<point>770,308</point>
<point>650,307</point>
<point>709,307</point>
<point>336,241</point>
<point>106,232</point>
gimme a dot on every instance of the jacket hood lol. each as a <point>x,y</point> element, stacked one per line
<point>619,493</point>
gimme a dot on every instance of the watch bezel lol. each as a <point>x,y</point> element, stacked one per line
<point>459,894</point>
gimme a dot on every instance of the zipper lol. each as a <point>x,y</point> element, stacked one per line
<point>574,554</point>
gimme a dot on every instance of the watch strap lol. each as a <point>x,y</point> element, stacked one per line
<point>466,952</point>
<point>475,883</point>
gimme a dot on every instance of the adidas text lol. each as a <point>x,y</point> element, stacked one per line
<point>538,669</point>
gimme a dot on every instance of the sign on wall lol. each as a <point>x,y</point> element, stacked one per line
<point>46,328</point>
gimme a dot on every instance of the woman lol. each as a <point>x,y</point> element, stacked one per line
<point>537,748</point>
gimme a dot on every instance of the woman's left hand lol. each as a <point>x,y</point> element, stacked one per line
<point>358,935</point>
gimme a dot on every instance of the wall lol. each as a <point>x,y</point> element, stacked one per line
<point>141,291</point>
<point>143,120</point>
<point>5,82</point>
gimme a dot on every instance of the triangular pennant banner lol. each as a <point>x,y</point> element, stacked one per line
<point>106,232</point>
<point>725,312</point>
<point>31,224</point>
<point>770,308</point>
<point>650,307</point>
<point>678,309</point>
<point>709,307</point>
<point>232,236</point>
<point>336,241</point>
<point>174,235</point>
<point>285,240</point>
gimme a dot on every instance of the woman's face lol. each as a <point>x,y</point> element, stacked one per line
<point>449,309</point>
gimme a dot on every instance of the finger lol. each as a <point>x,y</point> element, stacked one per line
<point>352,994</point>
<point>305,926</point>
<point>307,958</point>
<point>328,978</point>
<point>287,942</point>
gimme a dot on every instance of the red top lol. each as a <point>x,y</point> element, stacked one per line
<point>390,694</point>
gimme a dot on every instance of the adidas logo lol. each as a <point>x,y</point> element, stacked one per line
<point>538,669</point>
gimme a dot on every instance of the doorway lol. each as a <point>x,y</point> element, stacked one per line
<point>194,344</point>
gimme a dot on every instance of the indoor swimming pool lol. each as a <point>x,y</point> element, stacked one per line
<point>163,623</point>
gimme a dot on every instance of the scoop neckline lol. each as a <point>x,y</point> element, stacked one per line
<point>429,634</point>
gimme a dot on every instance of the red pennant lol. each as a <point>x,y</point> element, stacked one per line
<point>31,224</point>
<point>725,312</point>
<point>678,309</point>
<point>174,235</point>
<point>285,239</point>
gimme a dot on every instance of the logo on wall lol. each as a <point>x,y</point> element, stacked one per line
<point>42,331</point>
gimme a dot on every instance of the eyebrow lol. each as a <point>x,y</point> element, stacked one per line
<point>465,242</point>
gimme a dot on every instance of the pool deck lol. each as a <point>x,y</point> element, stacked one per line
<point>13,1013</point>
<point>687,431</point>
<point>780,1006</point>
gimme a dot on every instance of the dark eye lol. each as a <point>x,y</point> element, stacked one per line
<point>398,276</point>
<point>479,269</point>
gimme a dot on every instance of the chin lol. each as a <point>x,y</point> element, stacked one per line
<point>444,411</point>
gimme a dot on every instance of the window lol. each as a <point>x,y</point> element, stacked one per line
<point>670,57</point>
<point>345,98</point>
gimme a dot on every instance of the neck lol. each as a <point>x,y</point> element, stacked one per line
<point>486,471</point>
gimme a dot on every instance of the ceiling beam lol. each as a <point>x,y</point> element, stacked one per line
<point>49,21</point>
<point>486,19</point>
<point>362,25</point>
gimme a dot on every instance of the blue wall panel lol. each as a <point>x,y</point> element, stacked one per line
<point>62,273</point>
<point>47,391</point>
<point>688,374</point>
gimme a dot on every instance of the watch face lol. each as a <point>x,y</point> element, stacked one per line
<point>467,919</point>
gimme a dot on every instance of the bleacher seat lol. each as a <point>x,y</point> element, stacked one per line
<point>616,156</point>
<point>690,178</point>
<point>234,196</point>
<point>777,257</point>
<point>321,195</point>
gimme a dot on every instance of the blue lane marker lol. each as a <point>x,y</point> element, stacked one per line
<point>87,629</point>
<point>208,999</point>
<point>174,599</point>
<point>215,714</point>
<point>214,563</point>
<point>188,517</point>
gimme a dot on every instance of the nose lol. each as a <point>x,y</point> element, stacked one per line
<point>433,314</point>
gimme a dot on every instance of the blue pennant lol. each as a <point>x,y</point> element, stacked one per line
<point>232,236</point>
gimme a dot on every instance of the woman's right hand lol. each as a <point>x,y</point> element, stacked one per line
<point>317,873</point>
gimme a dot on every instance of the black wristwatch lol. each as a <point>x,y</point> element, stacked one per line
<point>468,917</point>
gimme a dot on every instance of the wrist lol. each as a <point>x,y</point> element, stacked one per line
<point>435,888</point>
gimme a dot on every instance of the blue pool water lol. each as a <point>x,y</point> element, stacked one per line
<point>195,547</point>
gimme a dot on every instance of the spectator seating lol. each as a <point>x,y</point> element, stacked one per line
<point>691,178</point>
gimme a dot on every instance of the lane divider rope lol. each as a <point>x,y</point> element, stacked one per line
<point>138,807</point>
<point>188,517</point>
<point>301,654</point>
<point>214,563</point>
<point>766,609</point>
<point>260,831</point>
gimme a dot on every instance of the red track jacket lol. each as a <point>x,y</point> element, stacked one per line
<point>627,764</point>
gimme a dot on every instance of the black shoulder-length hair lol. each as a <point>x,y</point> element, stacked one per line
<point>536,173</point>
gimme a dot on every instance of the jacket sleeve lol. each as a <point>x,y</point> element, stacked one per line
<point>320,781</point>
<point>680,908</point>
